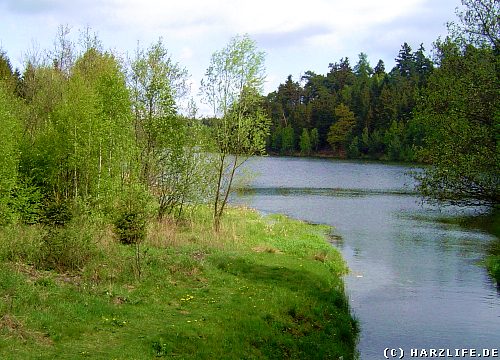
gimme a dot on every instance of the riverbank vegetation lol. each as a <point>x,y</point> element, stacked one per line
<point>261,287</point>
<point>489,223</point>
<point>115,237</point>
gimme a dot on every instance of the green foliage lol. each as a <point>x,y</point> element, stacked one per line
<point>66,248</point>
<point>131,214</point>
<point>21,244</point>
<point>459,112</point>
<point>153,82</point>
<point>376,143</point>
<point>393,140</point>
<point>56,213</point>
<point>10,131</point>
<point>8,78</point>
<point>314,139</point>
<point>277,139</point>
<point>130,227</point>
<point>340,130</point>
<point>375,97</point>
<point>79,135</point>
<point>353,149</point>
<point>173,149</point>
<point>186,170</point>
<point>287,140</point>
<point>232,86</point>
<point>479,23</point>
<point>305,143</point>
<point>26,202</point>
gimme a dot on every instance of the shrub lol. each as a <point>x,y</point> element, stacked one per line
<point>130,227</point>
<point>67,248</point>
<point>56,213</point>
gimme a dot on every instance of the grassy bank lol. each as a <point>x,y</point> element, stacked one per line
<point>264,287</point>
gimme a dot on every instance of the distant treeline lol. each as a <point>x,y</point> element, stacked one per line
<point>352,111</point>
<point>443,112</point>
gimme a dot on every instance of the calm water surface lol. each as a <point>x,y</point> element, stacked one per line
<point>414,282</point>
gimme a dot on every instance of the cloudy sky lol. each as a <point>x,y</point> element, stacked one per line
<point>296,35</point>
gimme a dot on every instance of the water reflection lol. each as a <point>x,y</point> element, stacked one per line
<point>414,280</point>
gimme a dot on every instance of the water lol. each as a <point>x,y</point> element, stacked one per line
<point>414,282</point>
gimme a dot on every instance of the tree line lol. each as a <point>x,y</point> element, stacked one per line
<point>352,111</point>
<point>84,131</point>
<point>442,111</point>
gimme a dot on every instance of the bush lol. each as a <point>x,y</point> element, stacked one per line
<point>67,248</point>
<point>130,227</point>
<point>132,213</point>
<point>56,213</point>
<point>26,201</point>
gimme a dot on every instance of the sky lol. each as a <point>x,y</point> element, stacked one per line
<point>296,36</point>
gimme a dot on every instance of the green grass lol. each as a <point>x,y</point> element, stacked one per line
<point>263,288</point>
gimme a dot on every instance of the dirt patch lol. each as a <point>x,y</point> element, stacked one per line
<point>267,249</point>
<point>11,327</point>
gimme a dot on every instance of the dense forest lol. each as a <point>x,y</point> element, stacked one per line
<point>352,111</point>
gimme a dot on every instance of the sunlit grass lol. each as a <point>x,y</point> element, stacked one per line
<point>263,287</point>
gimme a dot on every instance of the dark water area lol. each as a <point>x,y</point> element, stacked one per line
<point>414,281</point>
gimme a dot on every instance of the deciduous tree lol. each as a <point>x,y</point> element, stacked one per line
<point>232,86</point>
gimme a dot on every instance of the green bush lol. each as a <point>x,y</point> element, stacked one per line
<point>56,213</point>
<point>130,227</point>
<point>67,248</point>
<point>26,201</point>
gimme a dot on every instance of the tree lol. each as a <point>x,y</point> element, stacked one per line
<point>341,129</point>
<point>170,149</point>
<point>287,140</point>
<point>153,105</point>
<point>393,140</point>
<point>10,130</point>
<point>423,65</point>
<point>305,142</point>
<point>232,86</point>
<point>479,23</point>
<point>9,78</point>
<point>405,62</point>
<point>460,114</point>
<point>314,139</point>
<point>78,136</point>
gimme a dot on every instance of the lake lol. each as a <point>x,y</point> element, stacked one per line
<point>414,282</point>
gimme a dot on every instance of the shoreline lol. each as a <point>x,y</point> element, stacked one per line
<point>265,286</point>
